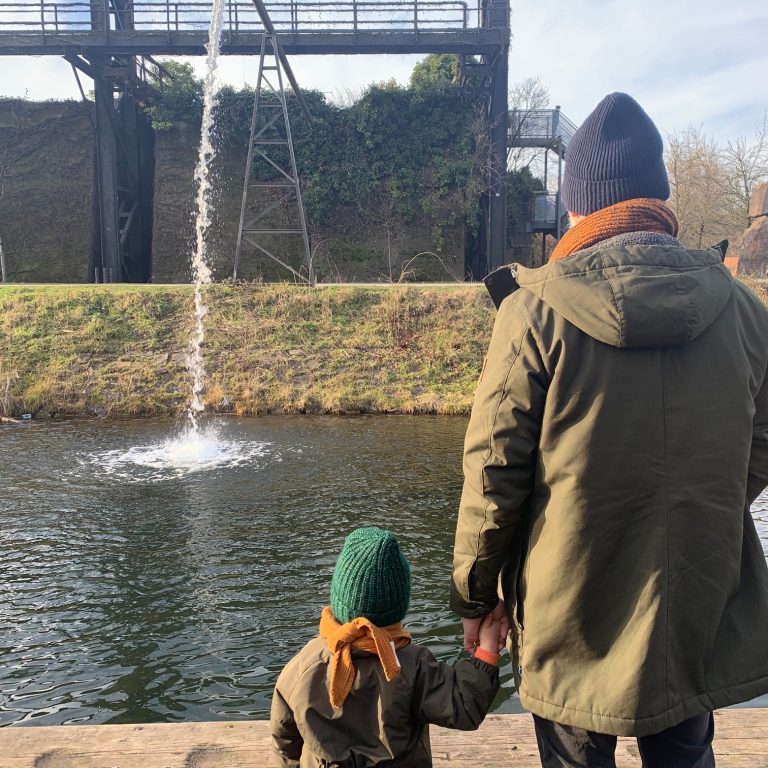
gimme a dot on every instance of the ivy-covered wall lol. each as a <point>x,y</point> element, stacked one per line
<point>390,182</point>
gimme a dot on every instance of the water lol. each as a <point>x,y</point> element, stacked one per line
<point>133,592</point>
<point>170,582</point>
<point>191,451</point>
<point>201,273</point>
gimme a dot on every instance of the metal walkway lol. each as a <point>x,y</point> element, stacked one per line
<point>551,131</point>
<point>34,27</point>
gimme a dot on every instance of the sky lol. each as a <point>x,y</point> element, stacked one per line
<point>694,63</point>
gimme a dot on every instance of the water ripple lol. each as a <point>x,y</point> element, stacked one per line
<point>134,591</point>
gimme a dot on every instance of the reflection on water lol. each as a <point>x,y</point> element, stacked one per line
<point>180,595</point>
<point>182,599</point>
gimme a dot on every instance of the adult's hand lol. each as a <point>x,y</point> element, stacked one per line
<point>500,612</point>
<point>472,629</point>
<point>471,633</point>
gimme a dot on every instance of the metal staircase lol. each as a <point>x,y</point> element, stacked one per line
<point>552,131</point>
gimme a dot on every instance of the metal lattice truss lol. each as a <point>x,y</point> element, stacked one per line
<point>272,213</point>
<point>106,38</point>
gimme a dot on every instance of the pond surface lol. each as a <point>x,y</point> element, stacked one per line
<point>134,592</point>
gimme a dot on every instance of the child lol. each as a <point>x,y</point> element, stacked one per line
<point>361,694</point>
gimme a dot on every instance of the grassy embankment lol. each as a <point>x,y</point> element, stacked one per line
<point>120,350</point>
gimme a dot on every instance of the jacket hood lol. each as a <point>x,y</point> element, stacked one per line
<point>634,295</point>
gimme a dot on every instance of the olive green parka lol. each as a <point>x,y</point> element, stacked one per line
<point>380,723</point>
<point>618,437</point>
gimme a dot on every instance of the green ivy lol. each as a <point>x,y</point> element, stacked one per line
<point>396,155</point>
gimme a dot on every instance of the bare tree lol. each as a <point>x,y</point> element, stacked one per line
<point>525,99</point>
<point>747,165</point>
<point>710,185</point>
<point>700,186</point>
<point>529,94</point>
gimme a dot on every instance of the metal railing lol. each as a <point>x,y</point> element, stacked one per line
<point>540,125</point>
<point>41,16</point>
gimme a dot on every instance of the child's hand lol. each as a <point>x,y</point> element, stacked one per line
<point>489,632</point>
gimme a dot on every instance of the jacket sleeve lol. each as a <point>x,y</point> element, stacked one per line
<point>500,453</point>
<point>456,696</point>
<point>286,739</point>
<point>757,475</point>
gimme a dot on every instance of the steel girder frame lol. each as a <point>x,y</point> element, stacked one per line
<point>103,46</point>
<point>266,135</point>
<point>495,14</point>
<point>122,170</point>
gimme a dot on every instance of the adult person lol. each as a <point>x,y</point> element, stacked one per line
<point>618,437</point>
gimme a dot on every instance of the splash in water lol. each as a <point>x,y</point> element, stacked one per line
<point>189,453</point>
<point>201,273</point>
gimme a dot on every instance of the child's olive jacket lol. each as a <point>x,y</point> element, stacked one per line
<point>380,722</point>
<point>618,437</point>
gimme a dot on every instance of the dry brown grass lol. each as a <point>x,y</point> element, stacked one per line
<point>120,350</point>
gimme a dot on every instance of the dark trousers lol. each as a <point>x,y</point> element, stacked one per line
<point>685,745</point>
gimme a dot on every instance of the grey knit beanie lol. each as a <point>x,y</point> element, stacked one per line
<point>616,154</point>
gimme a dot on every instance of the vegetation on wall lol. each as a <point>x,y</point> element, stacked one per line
<point>120,350</point>
<point>395,156</point>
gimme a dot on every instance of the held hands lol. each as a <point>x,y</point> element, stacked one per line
<point>489,632</point>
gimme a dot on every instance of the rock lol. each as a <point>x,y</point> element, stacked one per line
<point>758,204</point>
<point>751,250</point>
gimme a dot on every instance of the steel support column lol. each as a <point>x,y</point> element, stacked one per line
<point>496,15</point>
<point>108,268</point>
<point>124,167</point>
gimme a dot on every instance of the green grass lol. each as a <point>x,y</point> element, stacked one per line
<point>119,350</point>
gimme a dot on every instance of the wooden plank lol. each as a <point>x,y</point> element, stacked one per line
<point>503,740</point>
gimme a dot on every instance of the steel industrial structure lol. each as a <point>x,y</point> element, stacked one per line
<point>551,131</point>
<point>106,39</point>
<point>277,187</point>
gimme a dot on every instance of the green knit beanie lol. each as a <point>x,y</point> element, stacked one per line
<point>371,579</point>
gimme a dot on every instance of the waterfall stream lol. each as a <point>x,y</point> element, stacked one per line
<point>201,272</point>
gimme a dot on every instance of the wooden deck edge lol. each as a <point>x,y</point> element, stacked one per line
<point>503,740</point>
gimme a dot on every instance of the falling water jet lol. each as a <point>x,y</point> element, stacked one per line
<point>201,272</point>
<point>195,449</point>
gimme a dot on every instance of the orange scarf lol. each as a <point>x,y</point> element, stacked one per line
<point>364,636</point>
<point>641,214</point>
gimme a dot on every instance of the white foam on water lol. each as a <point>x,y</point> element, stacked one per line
<point>189,453</point>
